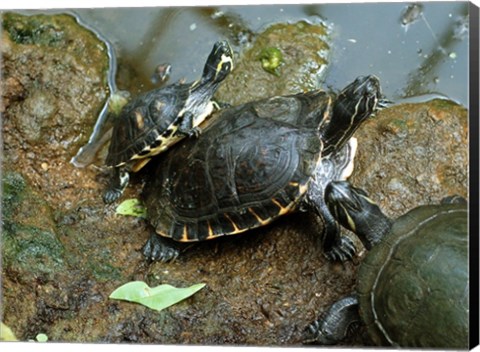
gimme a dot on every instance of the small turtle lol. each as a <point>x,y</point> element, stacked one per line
<point>161,74</point>
<point>157,119</point>
<point>412,287</point>
<point>256,162</point>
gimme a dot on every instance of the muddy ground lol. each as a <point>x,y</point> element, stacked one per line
<point>64,251</point>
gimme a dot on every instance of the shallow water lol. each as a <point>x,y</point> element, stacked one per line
<point>427,56</point>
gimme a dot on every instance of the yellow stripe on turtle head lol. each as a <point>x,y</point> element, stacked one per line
<point>225,59</point>
<point>350,221</point>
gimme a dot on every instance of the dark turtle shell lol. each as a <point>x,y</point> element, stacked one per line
<point>413,286</point>
<point>251,165</point>
<point>145,123</point>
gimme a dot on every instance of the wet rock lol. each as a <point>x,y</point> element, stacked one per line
<point>413,154</point>
<point>53,86</point>
<point>298,53</point>
<point>54,80</point>
<point>31,248</point>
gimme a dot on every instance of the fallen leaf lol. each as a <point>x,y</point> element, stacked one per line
<point>156,298</point>
<point>6,333</point>
<point>132,207</point>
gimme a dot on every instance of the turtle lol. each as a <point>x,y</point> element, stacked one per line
<point>161,74</point>
<point>157,119</point>
<point>412,286</point>
<point>256,162</point>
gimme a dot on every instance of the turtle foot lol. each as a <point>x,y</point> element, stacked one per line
<point>333,326</point>
<point>455,199</point>
<point>117,185</point>
<point>314,334</point>
<point>343,251</point>
<point>219,105</point>
<point>192,132</point>
<point>159,249</point>
<point>111,195</point>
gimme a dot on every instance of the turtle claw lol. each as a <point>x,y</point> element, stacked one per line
<point>333,325</point>
<point>156,249</point>
<point>311,332</point>
<point>314,334</point>
<point>187,127</point>
<point>194,132</point>
<point>219,105</point>
<point>343,251</point>
<point>118,183</point>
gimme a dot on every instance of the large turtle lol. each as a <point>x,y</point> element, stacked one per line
<point>157,119</point>
<point>412,287</point>
<point>256,162</point>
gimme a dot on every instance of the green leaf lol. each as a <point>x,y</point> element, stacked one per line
<point>132,207</point>
<point>156,298</point>
<point>41,338</point>
<point>6,334</point>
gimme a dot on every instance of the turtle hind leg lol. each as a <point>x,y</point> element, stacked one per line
<point>158,248</point>
<point>117,185</point>
<point>333,326</point>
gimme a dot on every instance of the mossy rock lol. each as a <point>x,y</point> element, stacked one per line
<point>286,58</point>
<point>56,79</point>
<point>413,154</point>
<point>30,247</point>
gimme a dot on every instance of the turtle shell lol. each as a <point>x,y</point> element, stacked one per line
<point>413,286</point>
<point>252,164</point>
<point>146,124</point>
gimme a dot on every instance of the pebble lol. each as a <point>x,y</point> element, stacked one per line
<point>395,185</point>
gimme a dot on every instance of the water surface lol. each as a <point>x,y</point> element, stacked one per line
<point>427,56</point>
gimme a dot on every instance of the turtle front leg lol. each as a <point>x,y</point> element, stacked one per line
<point>161,249</point>
<point>333,326</point>
<point>117,185</point>
<point>335,246</point>
<point>220,105</point>
<point>187,127</point>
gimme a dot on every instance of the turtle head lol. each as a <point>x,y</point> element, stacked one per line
<point>359,99</point>
<point>354,210</point>
<point>219,63</point>
<point>352,106</point>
